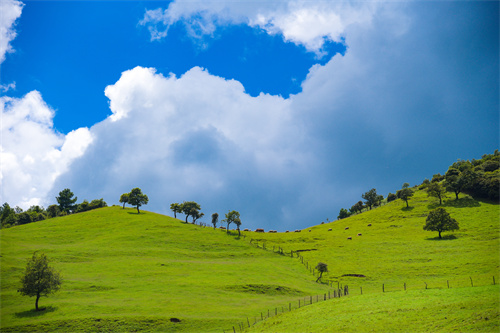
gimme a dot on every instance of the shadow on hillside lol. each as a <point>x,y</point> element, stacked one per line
<point>135,213</point>
<point>407,209</point>
<point>460,203</point>
<point>445,237</point>
<point>33,313</point>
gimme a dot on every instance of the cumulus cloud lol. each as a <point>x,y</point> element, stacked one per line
<point>306,23</point>
<point>32,153</point>
<point>10,11</point>
<point>196,137</point>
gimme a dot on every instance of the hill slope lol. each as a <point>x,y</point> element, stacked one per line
<point>395,249</point>
<point>124,271</point>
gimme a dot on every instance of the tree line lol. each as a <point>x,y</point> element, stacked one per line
<point>66,204</point>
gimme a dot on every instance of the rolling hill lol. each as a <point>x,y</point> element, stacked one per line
<point>137,272</point>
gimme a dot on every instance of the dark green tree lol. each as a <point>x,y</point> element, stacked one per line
<point>189,207</point>
<point>405,193</point>
<point>195,214</point>
<point>357,207</point>
<point>137,198</point>
<point>391,197</point>
<point>237,221</point>
<point>53,211</point>
<point>7,215</point>
<point>322,268</point>
<point>436,190</point>
<point>39,279</point>
<point>439,220</point>
<point>124,199</point>
<point>176,208</point>
<point>215,219</point>
<point>343,214</point>
<point>66,201</point>
<point>371,197</point>
<point>231,216</point>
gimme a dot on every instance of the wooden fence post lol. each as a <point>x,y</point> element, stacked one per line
<point>472,284</point>
<point>425,285</point>
<point>405,286</point>
<point>383,288</point>
<point>248,321</point>
<point>361,290</point>
<point>448,283</point>
<point>493,279</point>
<point>234,331</point>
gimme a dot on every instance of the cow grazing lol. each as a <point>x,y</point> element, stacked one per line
<point>259,230</point>
<point>346,228</point>
<point>350,238</point>
<point>330,229</point>
<point>287,231</point>
<point>359,234</point>
<point>246,229</point>
<point>370,225</point>
<point>298,230</point>
<point>310,230</point>
<point>222,228</point>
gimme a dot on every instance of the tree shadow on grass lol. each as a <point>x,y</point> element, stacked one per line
<point>33,313</point>
<point>407,209</point>
<point>445,237</point>
<point>135,213</point>
<point>460,203</point>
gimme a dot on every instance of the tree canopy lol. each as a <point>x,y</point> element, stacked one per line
<point>66,201</point>
<point>371,197</point>
<point>137,198</point>
<point>232,217</point>
<point>405,193</point>
<point>124,199</point>
<point>39,279</point>
<point>439,220</point>
<point>190,208</point>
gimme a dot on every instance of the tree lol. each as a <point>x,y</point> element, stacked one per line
<point>53,211</point>
<point>66,201</point>
<point>189,207</point>
<point>439,220</point>
<point>357,207</point>
<point>237,221</point>
<point>215,219</point>
<point>231,216</point>
<point>124,199</point>
<point>322,268</point>
<point>371,197</point>
<point>7,215</point>
<point>391,197</point>
<point>436,190</point>
<point>343,214</point>
<point>39,279</point>
<point>457,181</point>
<point>195,214</point>
<point>176,208</point>
<point>136,198</point>
<point>405,193</point>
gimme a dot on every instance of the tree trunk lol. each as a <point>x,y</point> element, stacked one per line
<point>175,214</point>
<point>239,233</point>
<point>440,202</point>
<point>138,212</point>
<point>456,194</point>
<point>36,302</point>
<point>227,229</point>
<point>320,275</point>
<point>439,234</point>
<point>406,203</point>
<point>124,205</point>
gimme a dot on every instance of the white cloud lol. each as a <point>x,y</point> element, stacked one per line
<point>307,23</point>
<point>10,11</point>
<point>32,153</point>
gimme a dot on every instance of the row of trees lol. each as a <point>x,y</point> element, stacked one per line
<point>66,205</point>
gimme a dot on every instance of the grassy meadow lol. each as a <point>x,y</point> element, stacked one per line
<point>125,271</point>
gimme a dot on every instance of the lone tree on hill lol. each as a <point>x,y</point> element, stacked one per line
<point>371,197</point>
<point>39,278</point>
<point>231,217</point>
<point>66,201</point>
<point>215,219</point>
<point>124,199</point>
<point>237,221</point>
<point>136,198</point>
<point>436,190</point>
<point>322,268</point>
<point>405,193</point>
<point>439,220</point>
<point>176,208</point>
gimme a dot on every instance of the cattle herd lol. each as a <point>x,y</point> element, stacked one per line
<point>297,230</point>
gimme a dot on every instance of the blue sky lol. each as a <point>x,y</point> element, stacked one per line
<point>286,111</point>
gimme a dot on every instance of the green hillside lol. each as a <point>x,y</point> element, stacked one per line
<point>123,271</point>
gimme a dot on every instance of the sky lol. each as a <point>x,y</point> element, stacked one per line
<point>286,111</point>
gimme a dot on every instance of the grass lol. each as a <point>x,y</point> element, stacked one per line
<point>124,271</point>
<point>434,310</point>
<point>396,250</point>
